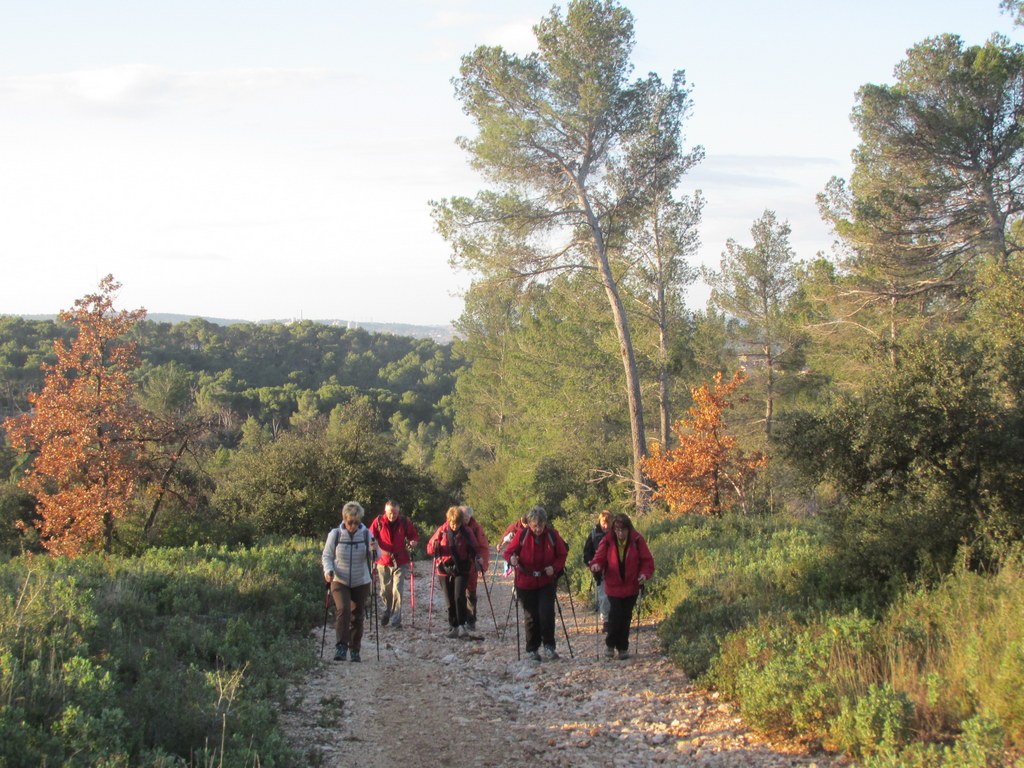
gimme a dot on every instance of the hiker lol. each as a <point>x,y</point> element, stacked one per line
<point>626,563</point>
<point>347,565</point>
<point>600,530</point>
<point>516,527</point>
<point>454,549</point>
<point>395,536</point>
<point>482,563</point>
<point>538,556</point>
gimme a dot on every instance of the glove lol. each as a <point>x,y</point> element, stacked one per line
<point>329,577</point>
<point>641,578</point>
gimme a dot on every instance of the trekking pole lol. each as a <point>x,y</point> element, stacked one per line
<point>564,629</point>
<point>508,614</point>
<point>327,603</point>
<point>412,592</point>
<point>568,588</point>
<point>515,597</point>
<point>487,591</point>
<point>376,623</point>
<point>639,605</point>
<point>430,605</point>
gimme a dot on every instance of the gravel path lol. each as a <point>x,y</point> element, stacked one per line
<point>439,702</point>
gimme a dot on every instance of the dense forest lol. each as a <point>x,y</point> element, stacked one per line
<point>826,460</point>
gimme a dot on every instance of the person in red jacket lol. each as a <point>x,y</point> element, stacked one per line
<point>516,527</point>
<point>538,556</point>
<point>625,561</point>
<point>395,536</point>
<point>482,563</point>
<point>454,549</point>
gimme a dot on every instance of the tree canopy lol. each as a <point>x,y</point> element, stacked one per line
<point>573,152</point>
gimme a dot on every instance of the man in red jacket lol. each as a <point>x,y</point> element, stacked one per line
<point>395,536</point>
<point>538,555</point>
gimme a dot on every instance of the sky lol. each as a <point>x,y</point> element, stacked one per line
<point>275,159</point>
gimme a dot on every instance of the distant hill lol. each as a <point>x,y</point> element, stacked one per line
<point>442,334</point>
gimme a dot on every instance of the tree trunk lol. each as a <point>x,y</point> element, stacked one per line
<point>633,395</point>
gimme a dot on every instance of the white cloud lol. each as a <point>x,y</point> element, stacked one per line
<point>138,85</point>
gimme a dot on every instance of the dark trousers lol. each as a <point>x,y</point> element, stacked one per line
<point>620,614</point>
<point>455,597</point>
<point>349,611</point>
<point>539,608</point>
<point>471,584</point>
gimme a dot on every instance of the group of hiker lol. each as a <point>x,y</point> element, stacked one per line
<point>615,553</point>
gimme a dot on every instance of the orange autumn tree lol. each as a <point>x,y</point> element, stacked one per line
<point>85,430</point>
<point>707,467</point>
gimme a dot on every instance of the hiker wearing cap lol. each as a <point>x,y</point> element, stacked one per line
<point>538,556</point>
<point>626,563</point>
<point>396,536</point>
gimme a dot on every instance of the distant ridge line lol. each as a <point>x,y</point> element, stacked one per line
<point>442,334</point>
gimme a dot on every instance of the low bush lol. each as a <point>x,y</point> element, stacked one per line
<point>174,657</point>
<point>718,575</point>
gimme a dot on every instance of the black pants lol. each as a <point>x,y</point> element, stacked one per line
<point>455,597</point>
<point>620,614</point>
<point>539,607</point>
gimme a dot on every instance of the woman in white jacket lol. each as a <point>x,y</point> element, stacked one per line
<point>347,562</point>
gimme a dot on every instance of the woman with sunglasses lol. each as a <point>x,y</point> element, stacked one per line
<point>625,561</point>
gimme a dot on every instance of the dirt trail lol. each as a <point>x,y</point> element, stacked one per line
<point>579,710</point>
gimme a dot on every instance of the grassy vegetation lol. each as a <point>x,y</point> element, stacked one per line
<point>176,657</point>
<point>933,676</point>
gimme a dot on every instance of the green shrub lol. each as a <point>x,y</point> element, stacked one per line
<point>979,746</point>
<point>781,672</point>
<point>150,660</point>
<point>877,721</point>
<point>718,575</point>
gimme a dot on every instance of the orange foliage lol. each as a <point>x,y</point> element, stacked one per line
<point>707,466</point>
<point>85,429</point>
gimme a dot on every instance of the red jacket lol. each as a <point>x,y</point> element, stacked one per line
<point>513,530</point>
<point>483,549</point>
<point>621,577</point>
<point>447,544</point>
<point>391,538</point>
<point>535,554</point>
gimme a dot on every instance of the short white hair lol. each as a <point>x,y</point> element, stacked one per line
<point>353,510</point>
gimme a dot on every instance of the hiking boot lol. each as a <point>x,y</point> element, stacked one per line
<point>533,655</point>
<point>471,626</point>
<point>550,654</point>
<point>385,618</point>
<point>339,651</point>
<point>453,632</point>
<point>623,655</point>
<point>354,656</point>
<point>396,625</point>
<point>609,653</point>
